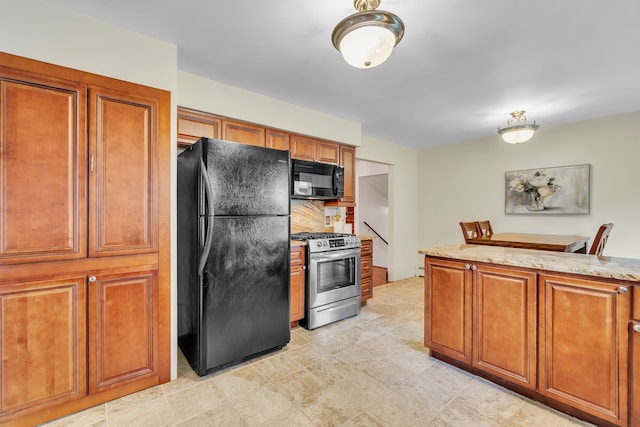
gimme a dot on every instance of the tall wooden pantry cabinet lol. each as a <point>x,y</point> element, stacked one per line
<point>84,239</point>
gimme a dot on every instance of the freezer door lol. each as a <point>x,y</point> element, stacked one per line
<point>248,180</point>
<point>246,288</point>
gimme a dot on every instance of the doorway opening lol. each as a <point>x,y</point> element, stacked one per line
<point>372,213</point>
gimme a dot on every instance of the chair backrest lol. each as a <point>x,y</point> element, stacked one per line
<point>601,239</point>
<point>470,230</point>
<point>485,228</point>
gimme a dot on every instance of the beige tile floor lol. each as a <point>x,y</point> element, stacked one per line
<point>370,370</point>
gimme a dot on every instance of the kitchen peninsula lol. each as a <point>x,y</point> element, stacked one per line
<point>556,327</point>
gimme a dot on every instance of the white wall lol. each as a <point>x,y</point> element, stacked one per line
<point>206,95</point>
<point>39,30</point>
<point>403,203</point>
<point>465,182</point>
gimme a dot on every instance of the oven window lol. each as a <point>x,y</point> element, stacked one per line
<point>336,274</point>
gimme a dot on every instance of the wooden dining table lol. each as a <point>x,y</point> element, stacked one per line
<point>546,242</point>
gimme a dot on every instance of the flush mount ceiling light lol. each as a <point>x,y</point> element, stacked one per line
<point>367,38</point>
<point>517,129</point>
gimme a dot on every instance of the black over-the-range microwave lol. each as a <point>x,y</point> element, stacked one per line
<point>313,180</point>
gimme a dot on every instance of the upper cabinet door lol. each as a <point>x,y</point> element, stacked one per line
<point>328,152</point>
<point>42,170</point>
<point>193,125</point>
<point>242,132</point>
<point>123,191</point>
<point>302,147</point>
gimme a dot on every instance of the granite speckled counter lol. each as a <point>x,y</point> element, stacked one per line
<point>627,269</point>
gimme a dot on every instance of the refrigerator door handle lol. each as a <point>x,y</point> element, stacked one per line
<point>209,215</point>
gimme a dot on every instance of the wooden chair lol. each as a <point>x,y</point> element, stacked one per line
<point>601,239</point>
<point>470,230</point>
<point>485,228</point>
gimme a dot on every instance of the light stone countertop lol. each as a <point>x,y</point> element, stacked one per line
<point>627,269</point>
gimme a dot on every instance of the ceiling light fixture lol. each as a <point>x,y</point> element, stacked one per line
<point>367,38</point>
<point>520,131</point>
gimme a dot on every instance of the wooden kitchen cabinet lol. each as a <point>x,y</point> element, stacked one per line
<point>327,152</point>
<point>297,284</point>
<point>505,321</point>
<point>483,316</point>
<point>193,125</point>
<point>348,161</point>
<point>583,345</point>
<point>123,171</point>
<point>85,193</point>
<point>302,147</point>
<point>123,328</point>
<point>243,132</point>
<point>366,271</point>
<point>447,310</point>
<point>277,139</point>
<point>43,344</point>
<point>43,168</point>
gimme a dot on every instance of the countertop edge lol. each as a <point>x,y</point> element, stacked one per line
<point>616,268</point>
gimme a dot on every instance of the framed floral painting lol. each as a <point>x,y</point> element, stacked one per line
<point>557,190</point>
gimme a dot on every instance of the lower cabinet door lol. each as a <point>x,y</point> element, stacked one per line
<point>43,345</point>
<point>123,336</point>
<point>447,311</point>
<point>584,345</point>
<point>505,319</point>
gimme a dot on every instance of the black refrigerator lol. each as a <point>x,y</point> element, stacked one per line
<point>233,252</point>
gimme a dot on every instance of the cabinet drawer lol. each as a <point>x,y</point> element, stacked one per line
<point>367,247</point>
<point>635,313</point>
<point>297,255</point>
<point>366,288</point>
<point>366,266</point>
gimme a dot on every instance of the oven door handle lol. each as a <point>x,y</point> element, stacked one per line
<point>334,255</point>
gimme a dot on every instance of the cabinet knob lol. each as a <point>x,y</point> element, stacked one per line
<point>474,268</point>
<point>467,267</point>
<point>92,279</point>
<point>636,328</point>
<point>622,289</point>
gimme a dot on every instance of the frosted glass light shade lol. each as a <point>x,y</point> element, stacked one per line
<point>367,38</point>
<point>367,47</point>
<point>517,135</point>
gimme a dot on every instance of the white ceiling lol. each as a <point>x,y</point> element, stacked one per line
<point>461,68</point>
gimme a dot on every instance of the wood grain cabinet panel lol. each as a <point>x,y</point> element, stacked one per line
<point>328,152</point>
<point>193,125</point>
<point>43,344</point>
<point>42,172</point>
<point>84,175</point>
<point>242,132</point>
<point>505,319</point>
<point>297,285</point>
<point>123,174</point>
<point>348,161</point>
<point>123,342</point>
<point>583,345</point>
<point>302,147</point>
<point>277,139</point>
<point>448,307</point>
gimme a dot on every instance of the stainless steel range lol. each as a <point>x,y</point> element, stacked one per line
<point>332,277</point>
